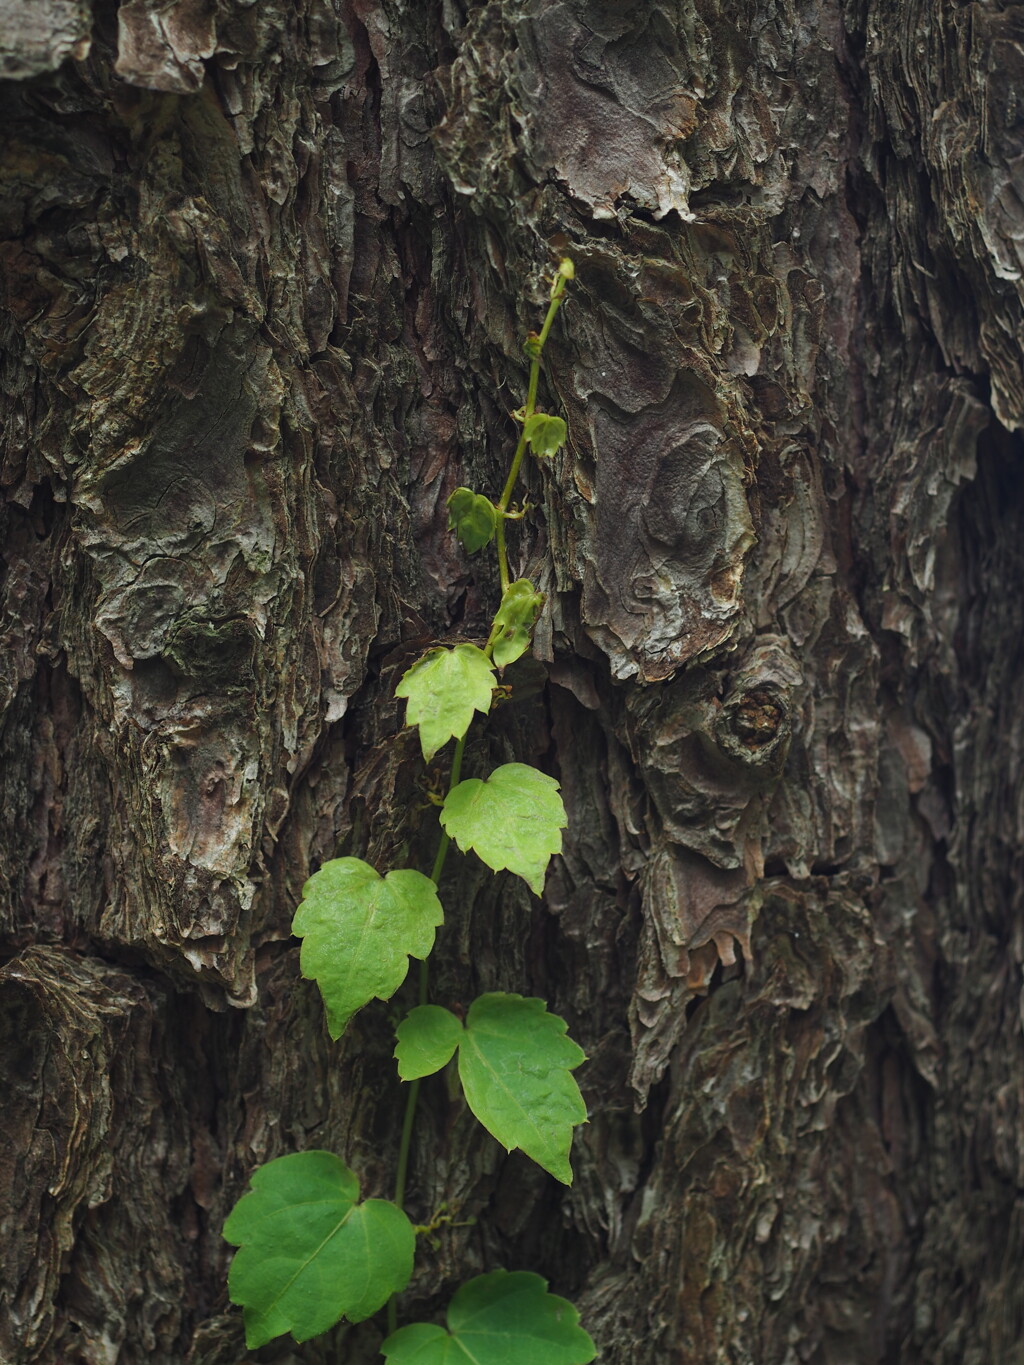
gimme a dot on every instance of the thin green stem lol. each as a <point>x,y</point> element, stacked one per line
<point>529,406</point>
<point>499,545</point>
<point>405,1147</point>
<point>409,1118</point>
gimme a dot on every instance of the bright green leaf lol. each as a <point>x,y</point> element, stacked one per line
<point>443,689</point>
<point>514,621</point>
<point>309,1254</point>
<point>427,1039</point>
<point>498,1319</point>
<point>359,931</point>
<point>514,1064</point>
<point>514,819</point>
<point>545,434</point>
<point>473,518</point>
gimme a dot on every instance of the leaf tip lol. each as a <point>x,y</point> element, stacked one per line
<point>428,747</point>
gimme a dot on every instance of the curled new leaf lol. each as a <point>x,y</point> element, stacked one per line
<point>515,619</point>
<point>504,1318</point>
<point>473,518</point>
<point>309,1253</point>
<point>512,820</point>
<point>442,690</point>
<point>545,434</point>
<point>359,930</point>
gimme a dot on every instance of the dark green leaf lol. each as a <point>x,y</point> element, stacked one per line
<point>498,1319</point>
<point>309,1254</point>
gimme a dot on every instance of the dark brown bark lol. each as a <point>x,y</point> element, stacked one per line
<point>267,268</point>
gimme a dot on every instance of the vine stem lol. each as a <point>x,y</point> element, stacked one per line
<point>564,273</point>
<point>409,1118</point>
<point>557,294</point>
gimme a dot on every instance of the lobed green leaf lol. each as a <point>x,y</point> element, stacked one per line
<point>514,621</point>
<point>442,691</point>
<point>515,1065</point>
<point>359,930</point>
<point>545,434</point>
<point>473,518</point>
<point>515,1062</point>
<point>309,1254</point>
<point>504,1318</point>
<point>514,819</point>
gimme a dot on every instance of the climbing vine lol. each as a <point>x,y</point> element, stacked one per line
<point>309,1251</point>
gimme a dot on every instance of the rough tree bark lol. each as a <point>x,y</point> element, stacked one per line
<point>267,267</point>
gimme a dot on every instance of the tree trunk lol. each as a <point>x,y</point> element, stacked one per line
<point>267,271</point>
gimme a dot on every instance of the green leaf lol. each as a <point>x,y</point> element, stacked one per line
<point>514,621</point>
<point>427,1039</point>
<point>514,819</point>
<point>359,931</point>
<point>504,1318</point>
<point>545,434</point>
<point>473,518</point>
<point>443,689</point>
<point>514,1065</point>
<point>309,1253</point>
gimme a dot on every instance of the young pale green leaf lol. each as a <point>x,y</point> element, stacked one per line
<point>514,621</point>
<point>512,820</point>
<point>545,434</point>
<point>426,1041</point>
<point>504,1318</point>
<point>514,1064</point>
<point>473,518</point>
<point>309,1254</point>
<point>442,690</point>
<point>359,930</point>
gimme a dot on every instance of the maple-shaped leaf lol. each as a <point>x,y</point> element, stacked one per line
<point>473,518</point>
<point>359,930</point>
<point>521,604</point>
<point>504,1318</point>
<point>309,1254</point>
<point>515,1064</point>
<point>443,690</point>
<point>513,819</point>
